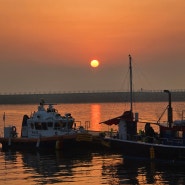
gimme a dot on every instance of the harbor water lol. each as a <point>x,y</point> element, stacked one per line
<point>98,167</point>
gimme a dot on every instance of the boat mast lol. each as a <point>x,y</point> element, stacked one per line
<point>130,68</point>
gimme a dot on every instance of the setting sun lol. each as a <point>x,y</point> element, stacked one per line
<point>94,63</point>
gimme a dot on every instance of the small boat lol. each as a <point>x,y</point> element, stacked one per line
<point>169,143</point>
<point>46,129</point>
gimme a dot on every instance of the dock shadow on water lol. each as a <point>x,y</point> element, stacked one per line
<point>77,167</point>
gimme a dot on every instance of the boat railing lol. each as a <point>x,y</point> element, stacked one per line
<point>148,139</point>
<point>142,138</point>
<point>168,141</point>
<point>86,124</point>
<point>165,141</point>
<point>111,134</point>
<point>137,137</point>
<point>156,140</point>
<point>178,141</point>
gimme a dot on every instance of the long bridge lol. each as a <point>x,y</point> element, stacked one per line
<point>91,97</point>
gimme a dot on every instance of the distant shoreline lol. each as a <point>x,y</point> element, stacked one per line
<point>91,97</point>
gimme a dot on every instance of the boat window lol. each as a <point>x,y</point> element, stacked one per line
<point>50,124</point>
<point>41,126</point>
<point>57,125</point>
<point>62,125</point>
<point>32,125</point>
<point>44,126</point>
<point>38,126</point>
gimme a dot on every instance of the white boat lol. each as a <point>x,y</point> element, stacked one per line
<point>47,122</point>
<point>46,128</point>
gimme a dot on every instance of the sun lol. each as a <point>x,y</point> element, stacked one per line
<point>94,63</point>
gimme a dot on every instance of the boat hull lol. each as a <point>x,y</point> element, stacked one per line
<point>82,141</point>
<point>147,150</point>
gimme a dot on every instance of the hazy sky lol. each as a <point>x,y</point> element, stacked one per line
<point>47,45</point>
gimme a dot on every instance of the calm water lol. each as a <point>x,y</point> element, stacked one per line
<point>87,168</point>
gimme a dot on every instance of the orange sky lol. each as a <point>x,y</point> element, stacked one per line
<point>58,38</point>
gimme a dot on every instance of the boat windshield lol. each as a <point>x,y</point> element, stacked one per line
<point>41,126</point>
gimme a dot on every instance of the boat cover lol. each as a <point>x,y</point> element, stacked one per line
<point>127,115</point>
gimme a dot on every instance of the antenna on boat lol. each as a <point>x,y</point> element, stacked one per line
<point>130,68</point>
<point>170,116</point>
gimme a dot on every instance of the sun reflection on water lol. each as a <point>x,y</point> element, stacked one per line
<point>95,117</point>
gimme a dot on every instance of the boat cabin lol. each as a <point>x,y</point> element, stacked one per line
<point>176,131</point>
<point>46,122</point>
<point>127,125</point>
<point>43,123</point>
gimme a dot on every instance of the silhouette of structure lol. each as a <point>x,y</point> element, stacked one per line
<point>91,97</point>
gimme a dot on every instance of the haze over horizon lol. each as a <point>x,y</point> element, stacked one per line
<point>47,46</point>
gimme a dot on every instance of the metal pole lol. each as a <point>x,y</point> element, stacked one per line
<point>130,68</point>
<point>170,114</point>
<point>4,118</point>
